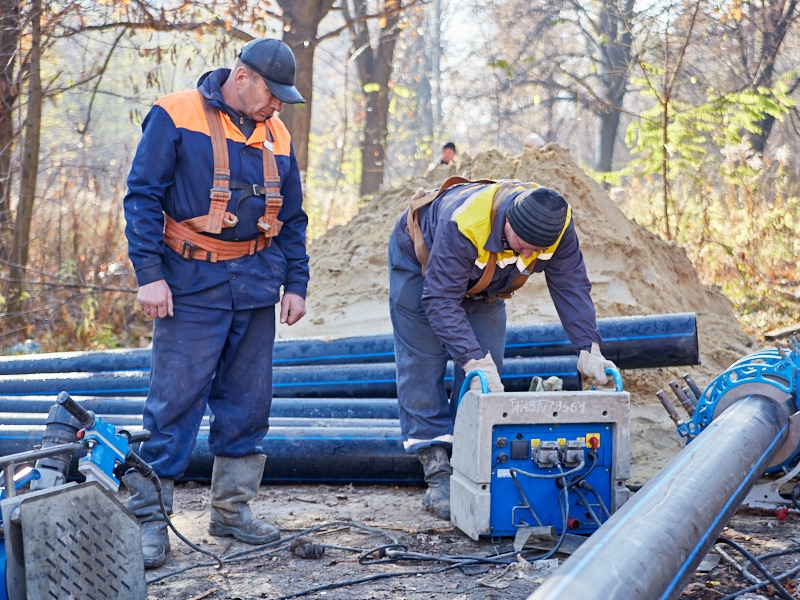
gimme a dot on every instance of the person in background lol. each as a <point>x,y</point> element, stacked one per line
<point>448,153</point>
<point>217,236</point>
<point>455,256</point>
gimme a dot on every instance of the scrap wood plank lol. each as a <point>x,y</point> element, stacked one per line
<point>776,334</point>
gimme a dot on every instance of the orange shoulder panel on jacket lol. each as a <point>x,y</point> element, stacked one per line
<point>280,135</point>
<point>186,110</point>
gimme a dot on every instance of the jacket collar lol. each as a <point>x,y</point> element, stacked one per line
<point>494,243</point>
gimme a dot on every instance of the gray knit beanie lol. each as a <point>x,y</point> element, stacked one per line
<point>538,216</point>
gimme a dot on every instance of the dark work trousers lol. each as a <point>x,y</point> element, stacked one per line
<point>204,356</point>
<point>427,411</point>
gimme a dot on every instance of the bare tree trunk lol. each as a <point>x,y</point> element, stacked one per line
<point>615,28</point>
<point>30,171</point>
<point>9,92</point>
<point>303,18</point>
<point>375,71</point>
<point>774,20</point>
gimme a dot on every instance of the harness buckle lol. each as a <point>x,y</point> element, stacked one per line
<point>220,193</point>
<point>258,190</point>
<point>488,298</point>
<point>187,250</point>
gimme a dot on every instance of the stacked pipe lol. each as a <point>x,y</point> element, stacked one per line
<point>334,415</point>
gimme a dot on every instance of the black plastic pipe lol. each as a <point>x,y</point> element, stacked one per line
<point>133,422</point>
<point>319,408</point>
<point>127,359</point>
<point>296,454</point>
<point>316,381</point>
<point>638,342</point>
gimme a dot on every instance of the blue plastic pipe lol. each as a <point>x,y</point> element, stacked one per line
<point>637,342</point>
<point>312,453</point>
<point>318,408</point>
<point>316,381</point>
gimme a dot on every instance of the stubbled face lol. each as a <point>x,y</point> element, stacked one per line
<point>256,101</point>
<point>448,154</point>
<point>517,244</point>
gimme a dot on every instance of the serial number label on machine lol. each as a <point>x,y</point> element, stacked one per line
<point>574,407</point>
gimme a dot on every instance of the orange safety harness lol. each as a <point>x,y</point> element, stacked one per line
<point>185,238</point>
<point>422,252</point>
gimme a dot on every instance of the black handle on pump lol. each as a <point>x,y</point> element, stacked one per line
<point>85,417</point>
<point>134,437</point>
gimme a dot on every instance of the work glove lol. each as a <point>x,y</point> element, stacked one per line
<point>593,364</point>
<point>485,364</point>
<point>551,384</point>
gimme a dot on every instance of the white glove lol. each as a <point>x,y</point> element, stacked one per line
<point>551,384</point>
<point>485,364</point>
<point>593,364</point>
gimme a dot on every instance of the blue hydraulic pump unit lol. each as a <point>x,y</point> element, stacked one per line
<point>65,539</point>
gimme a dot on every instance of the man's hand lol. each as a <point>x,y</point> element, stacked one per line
<point>485,364</point>
<point>593,364</point>
<point>293,307</point>
<point>155,299</point>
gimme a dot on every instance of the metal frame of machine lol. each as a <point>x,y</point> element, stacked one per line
<point>774,373</point>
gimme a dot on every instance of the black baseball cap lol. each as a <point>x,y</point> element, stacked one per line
<point>274,61</point>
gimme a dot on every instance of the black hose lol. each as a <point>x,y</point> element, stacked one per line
<point>779,589</point>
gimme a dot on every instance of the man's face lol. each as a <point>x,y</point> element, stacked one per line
<point>257,101</point>
<point>448,154</point>
<point>517,244</point>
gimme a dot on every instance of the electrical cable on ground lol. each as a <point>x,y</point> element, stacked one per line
<point>757,583</point>
<point>761,558</point>
<point>261,550</point>
<point>771,579</point>
<point>388,553</point>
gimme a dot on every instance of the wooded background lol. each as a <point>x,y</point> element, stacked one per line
<point>685,110</point>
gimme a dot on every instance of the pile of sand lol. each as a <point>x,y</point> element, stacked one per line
<point>632,271</point>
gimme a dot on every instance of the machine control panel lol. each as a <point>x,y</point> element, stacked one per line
<point>555,459</point>
<point>544,468</point>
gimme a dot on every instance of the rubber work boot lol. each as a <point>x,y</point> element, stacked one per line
<point>234,482</point>
<point>143,503</point>
<point>437,469</point>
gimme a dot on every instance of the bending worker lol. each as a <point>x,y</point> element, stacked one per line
<point>454,256</point>
<point>216,231</point>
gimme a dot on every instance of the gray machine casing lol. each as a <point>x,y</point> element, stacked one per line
<point>478,414</point>
<point>72,541</point>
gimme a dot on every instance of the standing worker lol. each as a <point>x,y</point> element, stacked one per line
<point>454,257</point>
<point>215,229</point>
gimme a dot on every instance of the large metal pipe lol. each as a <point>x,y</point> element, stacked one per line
<point>312,453</point>
<point>651,546</point>
<point>314,381</point>
<point>636,342</point>
<point>319,408</point>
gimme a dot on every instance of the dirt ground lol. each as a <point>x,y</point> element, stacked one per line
<point>352,543</point>
<point>332,540</point>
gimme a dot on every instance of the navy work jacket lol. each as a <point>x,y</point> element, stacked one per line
<point>455,265</point>
<point>173,172</point>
